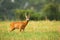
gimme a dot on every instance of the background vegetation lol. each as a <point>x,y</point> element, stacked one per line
<point>39,9</point>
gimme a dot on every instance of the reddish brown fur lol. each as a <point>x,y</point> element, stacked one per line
<point>19,25</point>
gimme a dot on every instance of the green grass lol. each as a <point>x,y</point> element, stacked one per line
<point>35,30</point>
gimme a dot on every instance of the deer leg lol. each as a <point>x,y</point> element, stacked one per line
<point>20,29</point>
<point>12,29</point>
<point>23,29</point>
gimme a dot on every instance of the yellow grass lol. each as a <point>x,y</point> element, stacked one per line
<point>35,30</point>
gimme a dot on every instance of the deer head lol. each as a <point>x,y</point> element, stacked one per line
<point>27,16</point>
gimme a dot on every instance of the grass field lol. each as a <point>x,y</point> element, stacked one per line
<point>35,30</point>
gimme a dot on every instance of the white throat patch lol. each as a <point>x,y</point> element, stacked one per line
<point>27,19</point>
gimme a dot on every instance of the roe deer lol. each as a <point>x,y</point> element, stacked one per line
<point>20,25</point>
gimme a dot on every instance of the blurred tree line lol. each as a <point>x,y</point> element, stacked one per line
<point>38,9</point>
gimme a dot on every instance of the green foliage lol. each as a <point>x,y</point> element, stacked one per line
<point>35,16</point>
<point>20,14</point>
<point>51,11</point>
<point>38,9</point>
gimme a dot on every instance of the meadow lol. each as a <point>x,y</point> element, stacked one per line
<point>35,30</point>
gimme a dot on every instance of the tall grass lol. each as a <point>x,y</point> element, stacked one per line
<point>35,30</point>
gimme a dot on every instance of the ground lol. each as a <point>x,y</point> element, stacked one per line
<point>35,30</point>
